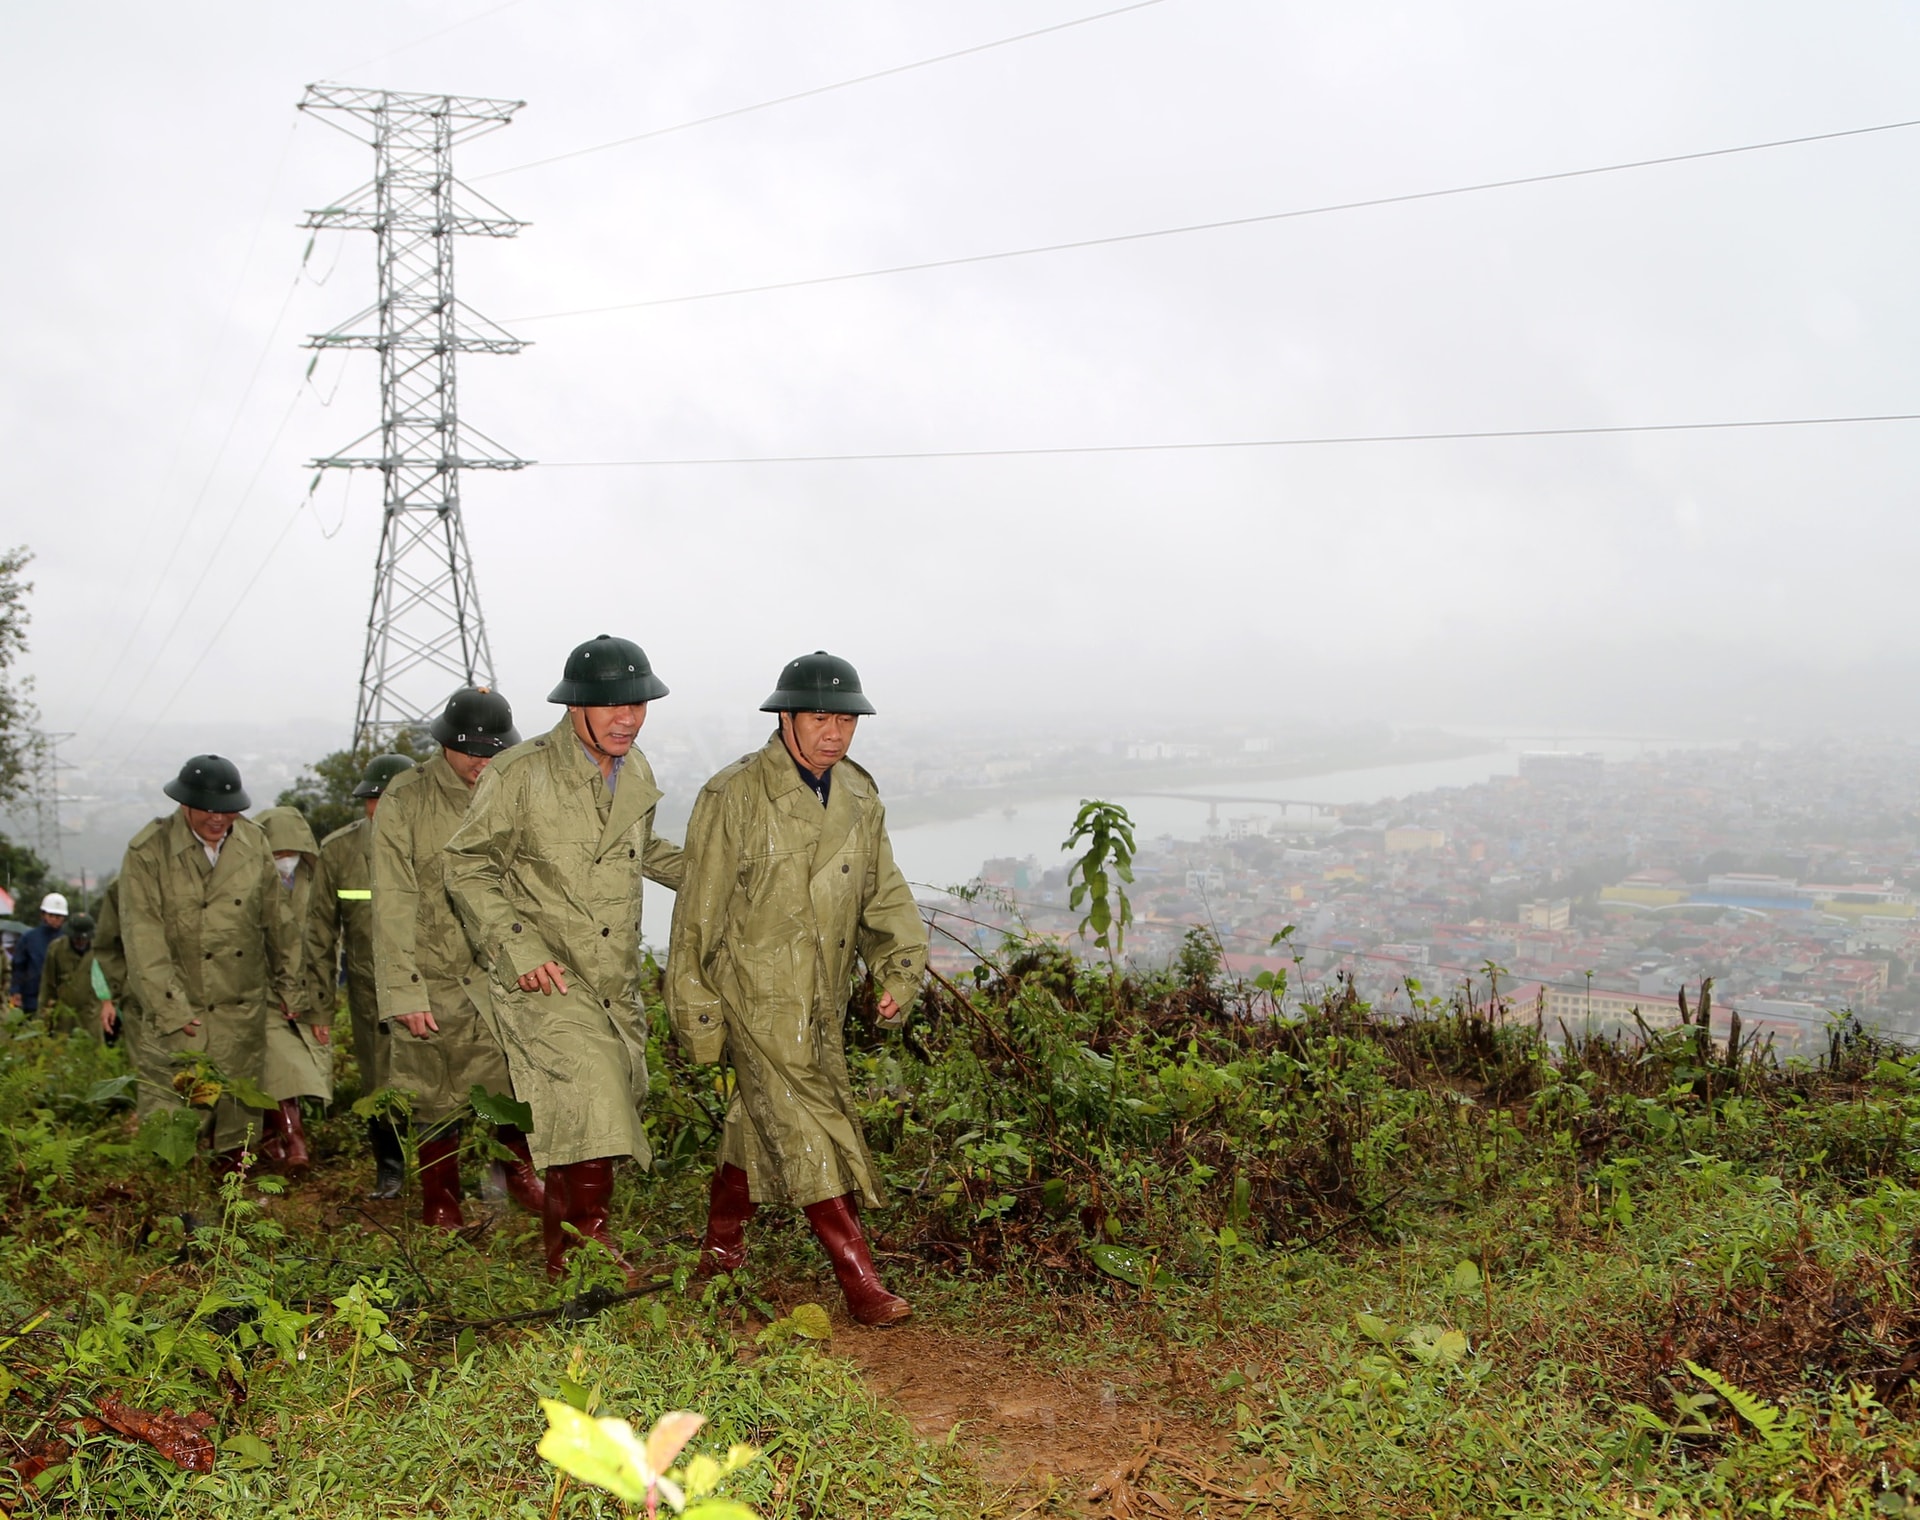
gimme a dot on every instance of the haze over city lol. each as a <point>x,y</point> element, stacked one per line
<point>1709,584</point>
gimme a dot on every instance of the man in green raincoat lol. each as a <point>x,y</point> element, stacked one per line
<point>212,950</point>
<point>67,996</point>
<point>431,991</point>
<point>789,876</point>
<point>339,927</point>
<point>547,875</point>
<point>299,1060</point>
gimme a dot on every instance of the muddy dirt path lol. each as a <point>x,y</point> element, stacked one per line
<point>1090,1442</point>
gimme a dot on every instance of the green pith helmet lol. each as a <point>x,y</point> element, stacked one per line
<point>818,682</point>
<point>607,672</point>
<point>380,770</point>
<point>80,926</point>
<point>288,831</point>
<point>210,783</point>
<point>477,721</point>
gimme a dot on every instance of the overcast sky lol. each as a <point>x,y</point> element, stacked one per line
<point>157,427</point>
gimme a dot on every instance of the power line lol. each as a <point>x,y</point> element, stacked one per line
<point>1229,222</point>
<point>213,561</point>
<point>1303,442</point>
<point>226,437</point>
<point>422,41</point>
<point>247,588</point>
<point>825,89</point>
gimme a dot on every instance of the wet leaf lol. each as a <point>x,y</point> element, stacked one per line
<point>1122,1262</point>
<point>1375,1328</point>
<point>1464,1278</point>
<point>811,1322</point>
<point>500,1109</point>
<point>250,1450</point>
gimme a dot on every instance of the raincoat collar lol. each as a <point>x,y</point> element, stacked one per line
<point>845,797</point>
<point>448,778</point>
<point>632,798</point>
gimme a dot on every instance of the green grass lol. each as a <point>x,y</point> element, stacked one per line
<point>1363,1266</point>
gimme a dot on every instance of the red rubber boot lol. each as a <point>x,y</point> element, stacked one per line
<point>729,1207</point>
<point>553,1220</point>
<point>838,1229</point>
<point>294,1156</point>
<point>519,1179</point>
<point>589,1189</point>
<point>440,1181</point>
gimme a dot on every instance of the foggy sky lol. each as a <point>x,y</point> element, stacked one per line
<point>1751,580</point>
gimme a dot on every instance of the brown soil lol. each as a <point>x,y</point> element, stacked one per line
<point>1086,1443</point>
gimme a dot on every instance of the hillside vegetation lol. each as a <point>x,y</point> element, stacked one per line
<point>1317,1261</point>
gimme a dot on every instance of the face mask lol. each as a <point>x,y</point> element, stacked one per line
<point>286,865</point>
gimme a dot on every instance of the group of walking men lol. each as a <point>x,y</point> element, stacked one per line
<point>486,915</point>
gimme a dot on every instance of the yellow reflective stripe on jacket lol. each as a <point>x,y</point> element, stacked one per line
<point>355,894</point>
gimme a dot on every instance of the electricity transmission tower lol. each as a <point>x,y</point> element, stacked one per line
<point>425,634</point>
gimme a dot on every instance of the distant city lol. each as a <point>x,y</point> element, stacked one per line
<point>1601,888</point>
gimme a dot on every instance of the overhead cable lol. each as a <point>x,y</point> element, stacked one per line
<point>1301,442</point>
<point>825,89</point>
<point>1216,226</point>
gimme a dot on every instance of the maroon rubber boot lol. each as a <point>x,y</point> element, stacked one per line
<point>729,1207</point>
<point>838,1229</point>
<point>518,1177</point>
<point>440,1181</point>
<point>553,1220</point>
<point>294,1157</point>
<point>589,1186</point>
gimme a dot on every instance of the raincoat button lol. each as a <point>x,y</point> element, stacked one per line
<point>844,869</point>
<point>236,902</point>
<point>843,944</point>
<point>705,1020</point>
<point>606,1002</point>
<point>630,854</point>
<point>516,928</point>
<point>416,976</point>
<point>209,955</point>
<point>604,931</point>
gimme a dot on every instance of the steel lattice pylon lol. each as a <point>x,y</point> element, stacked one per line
<point>425,633</point>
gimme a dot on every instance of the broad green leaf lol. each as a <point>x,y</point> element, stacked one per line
<point>170,1135</point>
<point>249,1092</point>
<point>1376,1329</point>
<point>718,1509</point>
<point>1465,1278</point>
<point>810,1321</point>
<point>1122,1262</point>
<point>605,1453</point>
<point>109,1088</point>
<point>500,1110</point>
<point>249,1449</point>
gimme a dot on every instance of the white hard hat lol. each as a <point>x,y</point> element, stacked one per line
<point>54,902</point>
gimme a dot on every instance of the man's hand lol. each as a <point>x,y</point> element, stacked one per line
<point>321,1034</point>
<point>420,1024</point>
<point>549,978</point>
<point>889,1010</point>
<point>109,1020</point>
<point>14,1001</point>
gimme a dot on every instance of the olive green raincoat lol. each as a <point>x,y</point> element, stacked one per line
<point>781,893</point>
<point>340,928</point>
<point>298,1065</point>
<point>213,942</point>
<point>67,998</point>
<point>152,1063</point>
<point>422,961</point>
<point>548,867</point>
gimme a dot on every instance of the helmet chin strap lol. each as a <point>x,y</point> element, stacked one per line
<point>593,739</point>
